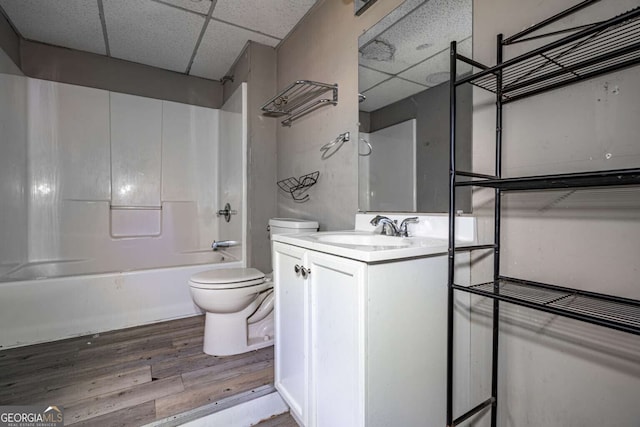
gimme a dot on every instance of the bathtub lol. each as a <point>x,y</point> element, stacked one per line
<point>36,306</point>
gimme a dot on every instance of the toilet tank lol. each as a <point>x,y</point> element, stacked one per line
<point>291,225</point>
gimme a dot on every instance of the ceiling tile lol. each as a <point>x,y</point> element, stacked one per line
<point>69,23</point>
<point>220,46</point>
<point>435,70</point>
<point>391,18</point>
<point>151,33</point>
<point>200,6</point>
<point>388,92</point>
<point>420,35</point>
<point>272,17</point>
<point>368,78</point>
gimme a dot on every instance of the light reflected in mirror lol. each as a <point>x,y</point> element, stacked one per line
<point>404,106</point>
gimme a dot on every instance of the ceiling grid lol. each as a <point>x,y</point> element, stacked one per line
<point>196,37</point>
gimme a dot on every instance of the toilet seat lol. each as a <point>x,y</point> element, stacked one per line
<point>232,278</point>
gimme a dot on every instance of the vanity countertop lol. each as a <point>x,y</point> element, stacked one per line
<point>365,243</point>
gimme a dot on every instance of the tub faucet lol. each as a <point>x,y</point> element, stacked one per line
<point>386,225</point>
<point>223,244</point>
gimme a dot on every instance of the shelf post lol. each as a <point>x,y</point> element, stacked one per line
<point>496,255</point>
<point>452,225</point>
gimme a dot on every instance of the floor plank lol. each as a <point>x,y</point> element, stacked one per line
<point>284,420</point>
<point>130,377</point>
<point>77,389</point>
<point>115,401</point>
<point>215,387</point>
<point>132,416</point>
<point>35,351</point>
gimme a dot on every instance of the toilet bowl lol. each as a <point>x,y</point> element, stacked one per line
<point>238,302</point>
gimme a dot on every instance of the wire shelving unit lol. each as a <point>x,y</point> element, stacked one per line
<point>578,54</point>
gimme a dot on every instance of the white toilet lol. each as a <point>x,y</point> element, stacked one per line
<point>239,301</point>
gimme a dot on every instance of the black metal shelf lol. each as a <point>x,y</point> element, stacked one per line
<point>607,178</point>
<point>597,49</point>
<point>588,51</point>
<point>605,310</point>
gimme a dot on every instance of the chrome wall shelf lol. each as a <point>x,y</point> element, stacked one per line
<point>588,51</point>
<point>300,98</point>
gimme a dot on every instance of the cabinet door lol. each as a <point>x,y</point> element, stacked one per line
<point>290,346</point>
<point>337,304</point>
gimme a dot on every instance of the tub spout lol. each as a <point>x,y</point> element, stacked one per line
<point>223,244</point>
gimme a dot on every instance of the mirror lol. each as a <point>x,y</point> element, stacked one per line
<point>404,107</point>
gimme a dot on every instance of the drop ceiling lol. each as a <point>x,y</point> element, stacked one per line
<point>197,37</point>
<point>408,51</point>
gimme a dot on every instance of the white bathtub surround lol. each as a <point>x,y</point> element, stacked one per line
<point>100,252</point>
<point>106,163</point>
<point>13,171</point>
<point>102,187</point>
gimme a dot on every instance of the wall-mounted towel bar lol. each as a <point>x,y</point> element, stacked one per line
<point>299,99</point>
<point>332,147</point>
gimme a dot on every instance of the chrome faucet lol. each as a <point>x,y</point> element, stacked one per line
<point>388,224</point>
<point>403,225</point>
<point>223,244</point>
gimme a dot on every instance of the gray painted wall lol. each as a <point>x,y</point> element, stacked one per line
<point>87,69</point>
<point>7,66</point>
<point>64,65</point>
<point>555,371</point>
<point>324,47</point>
<point>257,66</point>
<point>430,108</point>
<point>9,40</point>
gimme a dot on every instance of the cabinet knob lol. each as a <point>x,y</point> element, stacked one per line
<point>301,270</point>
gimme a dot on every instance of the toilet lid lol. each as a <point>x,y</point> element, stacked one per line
<point>229,277</point>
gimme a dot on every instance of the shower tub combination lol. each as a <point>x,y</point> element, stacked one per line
<point>74,274</point>
<point>46,309</point>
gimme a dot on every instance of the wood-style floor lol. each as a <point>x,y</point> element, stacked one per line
<point>284,420</point>
<point>134,376</point>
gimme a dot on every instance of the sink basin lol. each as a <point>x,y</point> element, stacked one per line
<point>362,240</point>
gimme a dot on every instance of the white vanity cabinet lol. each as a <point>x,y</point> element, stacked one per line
<point>361,344</point>
<point>320,322</point>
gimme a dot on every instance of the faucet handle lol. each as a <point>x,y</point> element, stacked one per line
<point>403,225</point>
<point>376,219</point>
